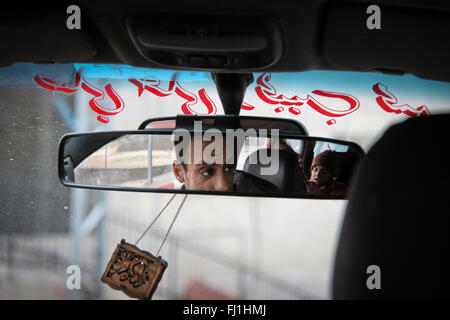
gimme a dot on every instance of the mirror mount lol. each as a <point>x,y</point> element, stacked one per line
<point>231,88</point>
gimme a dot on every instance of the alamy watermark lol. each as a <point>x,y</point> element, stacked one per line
<point>374,280</point>
<point>374,20</point>
<point>73,281</point>
<point>74,20</point>
<point>213,146</point>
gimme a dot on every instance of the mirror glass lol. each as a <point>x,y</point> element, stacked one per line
<point>214,162</point>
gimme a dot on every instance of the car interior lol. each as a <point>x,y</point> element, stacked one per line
<point>287,174</point>
<point>385,220</point>
<point>396,216</point>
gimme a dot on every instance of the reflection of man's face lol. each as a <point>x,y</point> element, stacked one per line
<point>205,175</point>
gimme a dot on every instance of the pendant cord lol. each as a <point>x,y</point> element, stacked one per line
<point>173,221</point>
<point>154,220</point>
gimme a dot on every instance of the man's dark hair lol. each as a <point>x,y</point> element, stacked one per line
<point>179,154</point>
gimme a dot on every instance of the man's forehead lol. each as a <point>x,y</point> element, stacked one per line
<point>214,151</point>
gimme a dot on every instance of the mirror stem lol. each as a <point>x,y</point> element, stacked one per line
<point>231,88</point>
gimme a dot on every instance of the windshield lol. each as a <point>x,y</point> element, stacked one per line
<point>262,248</point>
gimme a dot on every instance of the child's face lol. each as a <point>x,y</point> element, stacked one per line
<point>320,175</point>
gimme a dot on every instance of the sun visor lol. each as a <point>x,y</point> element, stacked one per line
<point>408,40</point>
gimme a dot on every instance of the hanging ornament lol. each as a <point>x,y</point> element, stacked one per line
<point>134,271</point>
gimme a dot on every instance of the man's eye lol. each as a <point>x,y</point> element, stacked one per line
<point>228,169</point>
<point>207,172</point>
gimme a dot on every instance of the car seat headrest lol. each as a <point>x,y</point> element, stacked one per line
<point>397,217</point>
<point>287,178</point>
<point>346,162</point>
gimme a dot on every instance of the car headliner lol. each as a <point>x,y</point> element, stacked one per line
<point>329,35</point>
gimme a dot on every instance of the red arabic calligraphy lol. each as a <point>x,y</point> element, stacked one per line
<point>199,102</point>
<point>99,95</point>
<point>153,86</point>
<point>268,94</point>
<point>388,102</point>
<point>246,106</point>
<point>50,83</point>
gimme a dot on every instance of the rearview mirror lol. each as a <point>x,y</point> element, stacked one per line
<point>251,163</point>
